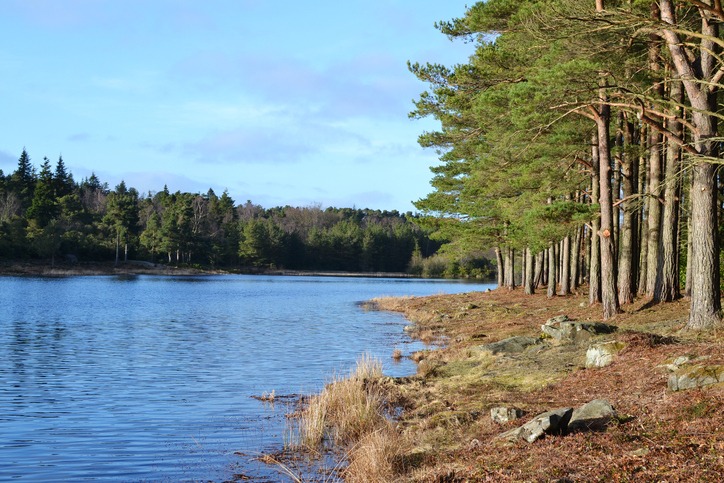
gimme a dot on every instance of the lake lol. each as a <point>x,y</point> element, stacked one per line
<point>138,378</point>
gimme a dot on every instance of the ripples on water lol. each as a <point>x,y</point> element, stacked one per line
<point>149,378</point>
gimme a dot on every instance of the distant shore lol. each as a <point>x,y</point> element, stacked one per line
<point>138,267</point>
<point>46,269</point>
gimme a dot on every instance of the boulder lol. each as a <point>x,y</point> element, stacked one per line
<point>502,415</point>
<point>692,376</point>
<point>601,355</point>
<point>592,416</point>
<point>550,422</point>
<point>511,345</point>
<point>565,330</point>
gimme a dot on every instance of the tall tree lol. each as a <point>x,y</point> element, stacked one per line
<point>700,70</point>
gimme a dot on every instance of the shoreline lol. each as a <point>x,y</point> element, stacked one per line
<point>444,430</point>
<point>138,267</point>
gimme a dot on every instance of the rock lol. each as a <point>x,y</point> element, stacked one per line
<point>557,319</point>
<point>592,416</point>
<point>510,436</point>
<point>502,415</point>
<point>673,365</point>
<point>601,355</point>
<point>550,422</point>
<point>511,345</point>
<point>689,377</point>
<point>566,331</point>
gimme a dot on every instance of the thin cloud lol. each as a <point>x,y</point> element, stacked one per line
<point>79,137</point>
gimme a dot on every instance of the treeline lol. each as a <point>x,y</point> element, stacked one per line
<point>47,214</point>
<point>582,140</point>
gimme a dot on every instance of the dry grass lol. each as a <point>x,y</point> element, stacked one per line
<point>377,457</point>
<point>345,410</point>
<point>397,354</point>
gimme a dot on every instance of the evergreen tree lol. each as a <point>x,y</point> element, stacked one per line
<point>22,181</point>
<point>44,206</point>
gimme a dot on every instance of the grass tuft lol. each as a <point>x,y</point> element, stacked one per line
<point>378,456</point>
<point>346,409</point>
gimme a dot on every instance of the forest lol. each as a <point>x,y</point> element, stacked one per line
<point>47,215</point>
<point>582,140</point>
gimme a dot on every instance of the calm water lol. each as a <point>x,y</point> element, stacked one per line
<point>148,378</point>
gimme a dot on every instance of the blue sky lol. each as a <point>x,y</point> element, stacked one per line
<point>280,102</point>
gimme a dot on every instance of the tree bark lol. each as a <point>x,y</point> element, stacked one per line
<point>654,212</point>
<point>566,266</point>
<point>627,259</point>
<point>501,268</point>
<point>529,273</point>
<point>609,293</point>
<point>594,266</point>
<point>576,258</point>
<point>509,268</point>
<point>538,275</point>
<point>667,279</point>
<point>552,271</point>
<point>705,310</point>
<point>643,227</point>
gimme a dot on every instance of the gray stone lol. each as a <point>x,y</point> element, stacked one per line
<point>567,331</point>
<point>689,377</point>
<point>550,422</point>
<point>511,345</point>
<point>502,415</point>
<point>592,416</point>
<point>602,355</point>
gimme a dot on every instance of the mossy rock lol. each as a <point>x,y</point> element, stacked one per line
<point>690,377</point>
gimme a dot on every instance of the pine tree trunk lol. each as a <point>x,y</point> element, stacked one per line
<point>705,309</point>
<point>687,288</point>
<point>609,293</point>
<point>594,265</point>
<point>615,198</point>
<point>627,259</point>
<point>566,266</point>
<point>500,268</point>
<point>576,258</point>
<point>643,224</point>
<point>667,279</point>
<point>538,275</point>
<point>508,262</point>
<point>586,256</point>
<point>654,213</point>
<point>529,272</point>
<point>649,243</point>
<point>552,271</point>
